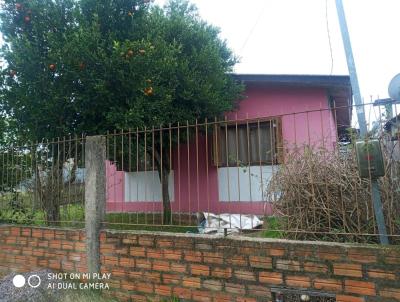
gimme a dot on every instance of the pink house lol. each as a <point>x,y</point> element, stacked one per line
<point>228,169</point>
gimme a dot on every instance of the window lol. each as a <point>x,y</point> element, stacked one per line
<point>249,143</point>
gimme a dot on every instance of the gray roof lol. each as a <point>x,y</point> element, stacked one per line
<point>296,79</point>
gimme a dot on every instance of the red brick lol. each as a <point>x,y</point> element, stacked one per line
<point>38,252</point>
<point>199,269</point>
<point>298,281</point>
<point>74,256</point>
<point>171,278</point>
<point>172,254</point>
<point>121,250</point>
<point>178,267</point>
<point>145,287</point>
<point>48,234</point>
<point>360,287</point>
<point>315,267</point>
<point>345,298</point>
<point>213,257</point>
<point>129,240</point>
<point>211,284</point>
<point>127,262</point>
<point>233,288</point>
<point>347,269</point>
<point>259,291</point>
<point>237,260</point>
<point>15,231</point>
<point>201,296</point>
<point>137,251</point>
<point>393,293</point>
<point>118,272</point>
<point>163,243</point>
<point>328,284</point>
<point>362,255</point>
<point>146,241</point>
<point>26,232</point>
<point>271,277</point>
<point>184,243</point>
<point>143,263</point>
<point>279,252</point>
<point>382,274</point>
<point>182,293</point>
<point>221,297</point>
<point>138,275</point>
<point>139,298</point>
<point>302,252</point>
<point>245,299</point>
<point>329,255</point>
<point>60,234</point>
<point>154,253</point>
<point>110,260</point>
<point>80,246</point>
<point>245,275</point>
<point>159,265</point>
<point>193,256</point>
<point>152,277</point>
<point>163,290</point>
<point>67,245</point>
<point>193,282</point>
<point>287,265</point>
<point>260,262</point>
<point>220,272</point>
<point>127,285</point>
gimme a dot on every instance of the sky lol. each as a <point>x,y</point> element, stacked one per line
<point>291,37</point>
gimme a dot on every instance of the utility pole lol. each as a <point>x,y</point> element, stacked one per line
<point>380,219</point>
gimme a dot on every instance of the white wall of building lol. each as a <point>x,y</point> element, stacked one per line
<point>244,183</point>
<point>146,186</point>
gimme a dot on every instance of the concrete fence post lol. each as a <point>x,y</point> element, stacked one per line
<point>95,198</point>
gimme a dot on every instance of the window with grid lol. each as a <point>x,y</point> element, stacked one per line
<point>249,143</point>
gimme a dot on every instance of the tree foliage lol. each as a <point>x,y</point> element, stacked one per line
<point>91,66</point>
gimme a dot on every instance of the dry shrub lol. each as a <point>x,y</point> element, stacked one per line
<point>322,197</point>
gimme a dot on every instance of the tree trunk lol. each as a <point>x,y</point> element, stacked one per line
<point>163,173</point>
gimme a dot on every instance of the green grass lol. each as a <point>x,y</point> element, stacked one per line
<point>149,222</point>
<point>73,215</point>
<point>272,228</point>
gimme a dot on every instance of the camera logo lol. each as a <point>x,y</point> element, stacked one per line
<point>33,281</point>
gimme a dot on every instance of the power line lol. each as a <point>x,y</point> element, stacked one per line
<point>254,27</point>
<point>329,34</point>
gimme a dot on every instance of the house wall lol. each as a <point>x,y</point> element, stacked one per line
<point>203,187</point>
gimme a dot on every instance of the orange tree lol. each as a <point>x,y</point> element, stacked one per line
<point>91,66</point>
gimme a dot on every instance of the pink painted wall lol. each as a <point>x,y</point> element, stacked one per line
<point>196,186</point>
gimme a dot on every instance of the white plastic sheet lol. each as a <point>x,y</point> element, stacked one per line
<point>216,223</point>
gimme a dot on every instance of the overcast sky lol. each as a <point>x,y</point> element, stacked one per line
<point>291,37</point>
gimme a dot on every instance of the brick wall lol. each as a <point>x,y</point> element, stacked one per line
<point>153,265</point>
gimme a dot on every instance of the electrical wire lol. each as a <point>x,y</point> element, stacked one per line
<point>329,35</point>
<point>253,28</point>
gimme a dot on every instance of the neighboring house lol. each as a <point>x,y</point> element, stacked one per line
<point>278,113</point>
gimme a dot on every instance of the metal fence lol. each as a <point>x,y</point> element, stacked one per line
<point>290,175</point>
<point>42,183</point>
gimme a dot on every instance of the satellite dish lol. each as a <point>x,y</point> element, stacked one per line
<point>394,88</point>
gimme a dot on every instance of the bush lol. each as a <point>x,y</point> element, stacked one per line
<point>322,197</point>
